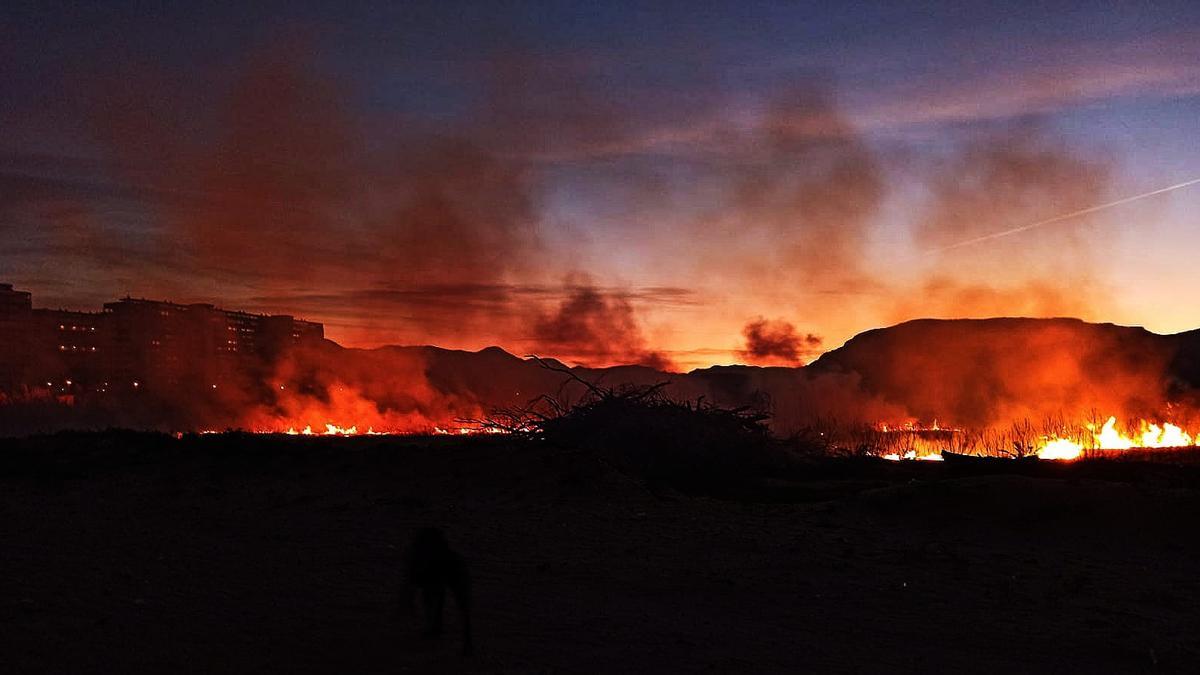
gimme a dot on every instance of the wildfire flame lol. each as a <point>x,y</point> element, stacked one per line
<point>924,448</point>
<point>915,426</point>
<point>1109,437</point>
<point>332,430</point>
<point>1060,448</point>
<point>353,430</point>
<point>925,442</point>
<point>912,454</point>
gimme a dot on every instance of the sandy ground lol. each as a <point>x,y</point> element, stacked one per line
<point>206,561</point>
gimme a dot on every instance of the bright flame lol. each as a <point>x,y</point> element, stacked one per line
<point>1150,435</point>
<point>1111,439</point>
<point>330,430</point>
<point>1060,448</point>
<point>912,439</point>
<point>914,426</point>
<point>912,454</point>
<point>1170,436</point>
<point>335,430</point>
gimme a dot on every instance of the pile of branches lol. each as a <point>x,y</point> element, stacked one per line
<point>642,430</point>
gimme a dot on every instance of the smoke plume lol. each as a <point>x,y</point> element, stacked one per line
<point>803,178</point>
<point>1005,178</point>
<point>777,342</point>
<point>596,329</point>
<point>987,373</point>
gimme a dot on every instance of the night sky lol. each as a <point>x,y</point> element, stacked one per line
<point>606,182</point>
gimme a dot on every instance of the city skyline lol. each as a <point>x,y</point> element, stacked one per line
<point>135,345</point>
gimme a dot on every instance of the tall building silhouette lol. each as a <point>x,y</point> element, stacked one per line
<point>137,345</point>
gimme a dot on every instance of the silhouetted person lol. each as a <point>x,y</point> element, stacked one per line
<point>432,567</point>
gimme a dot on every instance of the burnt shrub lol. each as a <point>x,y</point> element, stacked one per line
<point>692,446</point>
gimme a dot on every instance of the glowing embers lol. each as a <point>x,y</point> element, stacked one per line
<point>354,430</point>
<point>912,440</point>
<point>332,430</point>
<point>912,454</point>
<point>915,427</point>
<point>467,431</point>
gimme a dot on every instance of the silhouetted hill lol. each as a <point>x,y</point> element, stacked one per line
<point>973,370</point>
<point>1185,365</point>
<point>967,372</point>
<point>869,350</point>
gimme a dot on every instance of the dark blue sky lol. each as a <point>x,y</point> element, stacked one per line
<point>438,171</point>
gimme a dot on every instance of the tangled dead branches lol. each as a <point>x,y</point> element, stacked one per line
<point>644,431</point>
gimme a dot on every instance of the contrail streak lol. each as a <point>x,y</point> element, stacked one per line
<point>1065,216</point>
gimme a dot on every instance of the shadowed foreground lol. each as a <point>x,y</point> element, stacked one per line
<point>142,553</point>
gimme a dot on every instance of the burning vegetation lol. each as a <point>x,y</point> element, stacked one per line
<point>1097,389</point>
<point>1054,439</point>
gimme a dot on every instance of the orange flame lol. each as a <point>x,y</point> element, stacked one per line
<point>926,442</point>
<point>1109,437</point>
